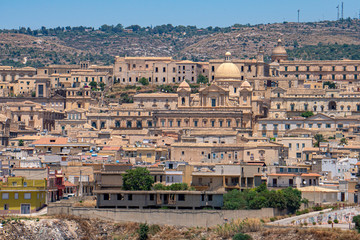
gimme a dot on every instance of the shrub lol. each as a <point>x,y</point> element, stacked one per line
<point>314,223</point>
<point>336,221</point>
<point>153,229</point>
<point>144,81</point>
<point>143,231</point>
<point>329,222</point>
<point>273,219</point>
<point>356,220</point>
<point>242,236</point>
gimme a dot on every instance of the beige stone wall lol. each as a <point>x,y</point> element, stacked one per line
<point>186,218</point>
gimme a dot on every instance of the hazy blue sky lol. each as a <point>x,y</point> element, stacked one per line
<point>202,13</point>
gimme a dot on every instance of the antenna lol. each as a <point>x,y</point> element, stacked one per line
<point>337,12</point>
<point>298,15</point>
<point>342,10</point>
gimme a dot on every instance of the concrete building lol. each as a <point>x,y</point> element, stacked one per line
<point>159,199</point>
<point>22,196</point>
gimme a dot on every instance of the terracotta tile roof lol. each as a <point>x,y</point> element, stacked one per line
<point>310,175</point>
<point>51,141</point>
<point>111,148</point>
<point>69,184</point>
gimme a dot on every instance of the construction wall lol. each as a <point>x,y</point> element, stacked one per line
<point>187,218</point>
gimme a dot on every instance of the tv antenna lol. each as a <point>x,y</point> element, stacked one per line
<point>342,10</point>
<point>298,15</point>
<point>337,12</point>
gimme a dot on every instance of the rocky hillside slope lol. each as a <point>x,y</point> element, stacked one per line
<point>100,46</point>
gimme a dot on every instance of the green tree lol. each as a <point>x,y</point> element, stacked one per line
<point>356,220</point>
<point>234,200</point>
<point>343,141</point>
<point>331,85</point>
<point>144,81</point>
<point>137,179</point>
<point>93,84</point>
<point>293,199</point>
<point>202,79</point>
<point>307,114</point>
<point>318,139</point>
<point>21,142</point>
<point>102,86</point>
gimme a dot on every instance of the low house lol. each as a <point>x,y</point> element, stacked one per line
<point>159,199</point>
<point>229,176</point>
<point>22,196</point>
<point>319,195</point>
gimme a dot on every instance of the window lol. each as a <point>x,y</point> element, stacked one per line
<point>164,69</point>
<point>212,123</point>
<point>130,198</point>
<point>107,197</point>
<point>221,123</point>
<point>310,125</point>
<point>319,125</point>
<point>210,198</point>
<point>152,197</point>
<point>5,196</point>
<point>6,206</point>
<point>298,155</point>
<point>16,196</point>
<point>328,125</point>
<point>27,195</point>
<point>120,197</point>
<point>195,123</point>
<point>181,197</point>
<point>213,102</point>
<point>25,183</point>
<point>287,126</point>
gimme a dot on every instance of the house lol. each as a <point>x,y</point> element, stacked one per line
<point>22,196</point>
<point>229,176</point>
<point>158,199</point>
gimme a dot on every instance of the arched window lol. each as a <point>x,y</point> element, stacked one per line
<point>292,107</point>
<point>183,101</point>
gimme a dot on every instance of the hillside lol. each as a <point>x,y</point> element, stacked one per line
<point>70,227</point>
<point>70,45</point>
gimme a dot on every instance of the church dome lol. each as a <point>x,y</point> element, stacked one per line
<point>279,50</point>
<point>184,85</point>
<point>227,70</point>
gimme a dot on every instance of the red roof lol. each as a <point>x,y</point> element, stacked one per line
<point>51,141</point>
<point>69,184</point>
<point>310,175</point>
<point>111,148</point>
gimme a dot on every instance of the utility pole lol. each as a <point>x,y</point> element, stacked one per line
<point>298,15</point>
<point>338,12</point>
<point>342,10</point>
<point>80,190</point>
